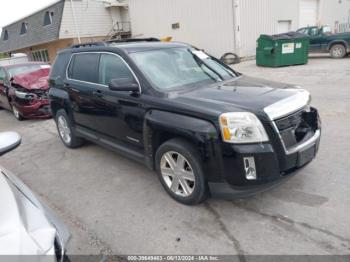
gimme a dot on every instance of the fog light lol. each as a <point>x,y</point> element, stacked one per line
<point>249,167</point>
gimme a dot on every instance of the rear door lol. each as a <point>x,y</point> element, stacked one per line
<point>81,84</point>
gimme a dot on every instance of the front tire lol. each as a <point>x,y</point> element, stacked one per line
<point>16,113</point>
<point>65,130</point>
<point>180,172</point>
<point>338,51</point>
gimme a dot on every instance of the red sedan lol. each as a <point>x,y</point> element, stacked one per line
<point>24,90</point>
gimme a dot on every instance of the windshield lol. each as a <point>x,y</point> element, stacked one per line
<point>175,68</point>
<point>25,69</point>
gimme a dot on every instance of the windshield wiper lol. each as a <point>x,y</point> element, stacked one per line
<point>201,62</point>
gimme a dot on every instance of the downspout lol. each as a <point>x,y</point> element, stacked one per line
<point>75,22</point>
<point>236,26</point>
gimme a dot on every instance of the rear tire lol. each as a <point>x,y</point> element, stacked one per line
<point>65,130</point>
<point>180,172</point>
<point>338,51</point>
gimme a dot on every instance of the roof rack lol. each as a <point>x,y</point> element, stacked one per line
<point>127,40</point>
<point>130,40</point>
<point>91,44</point>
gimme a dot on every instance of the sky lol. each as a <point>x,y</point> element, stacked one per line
<point>12,10</point>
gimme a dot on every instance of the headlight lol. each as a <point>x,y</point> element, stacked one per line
<point>24,95</point>
<point>242,127</point>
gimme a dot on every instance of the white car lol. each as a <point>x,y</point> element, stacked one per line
<point>27,227</point>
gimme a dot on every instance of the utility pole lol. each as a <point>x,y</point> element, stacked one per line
<point>75,22</point>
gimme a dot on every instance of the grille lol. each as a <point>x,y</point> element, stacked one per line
<point>297,127</point>
<point>41,94</point>
<point>291,121</point>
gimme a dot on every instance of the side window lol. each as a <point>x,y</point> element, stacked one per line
<point>113,67</point>
<point>58,70</point>
<point>313,31</point>
<point>84,67</point>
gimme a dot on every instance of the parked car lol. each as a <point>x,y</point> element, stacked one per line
<point>14,59</point>
<point>205,128</point>
<point>27,227</point>
<point>323,40</point>
<point>24,90</point>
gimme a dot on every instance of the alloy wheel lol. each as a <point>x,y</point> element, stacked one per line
<point>338,52</point>
<point>64,129</point>
<point>177,173</point>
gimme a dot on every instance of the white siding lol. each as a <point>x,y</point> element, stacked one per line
<point>121,15</point>
<point>308,12</point>
<point>262,17</point>
<point>207,24</point>
<point>335,13</point>
<point>92,17</point>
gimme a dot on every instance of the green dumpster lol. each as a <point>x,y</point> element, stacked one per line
<point>282,50</point>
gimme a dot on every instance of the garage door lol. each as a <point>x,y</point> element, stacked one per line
<point>308,13</point>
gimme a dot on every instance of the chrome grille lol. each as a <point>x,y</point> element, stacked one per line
<point>297,128</point>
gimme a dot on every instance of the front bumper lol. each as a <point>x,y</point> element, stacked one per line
<point>36,109</point>
<point>272,164</point>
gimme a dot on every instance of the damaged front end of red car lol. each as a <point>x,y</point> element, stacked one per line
<point>29,94</point>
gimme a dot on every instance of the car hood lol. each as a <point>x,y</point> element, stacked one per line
<point>241,94</point>
<point>26,228</point>
<point>33,80</point>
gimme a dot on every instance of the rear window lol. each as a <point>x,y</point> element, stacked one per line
<point>84,67</point>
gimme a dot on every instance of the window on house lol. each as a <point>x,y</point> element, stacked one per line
<point>48,18</point>
<point>41,56</point>
<point>6,35</point>
<point>24,28</point>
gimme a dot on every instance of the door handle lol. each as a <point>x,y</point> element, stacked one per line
<point>97,93</point>
<point>75,90</point>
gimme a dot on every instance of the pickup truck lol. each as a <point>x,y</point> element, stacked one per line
<point>203,127</point>
<point>323,40</point>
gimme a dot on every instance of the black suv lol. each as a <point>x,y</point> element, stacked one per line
<point>204,128</point>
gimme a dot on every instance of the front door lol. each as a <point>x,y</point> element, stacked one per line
<point>122,113</point>
<point>316,38</point>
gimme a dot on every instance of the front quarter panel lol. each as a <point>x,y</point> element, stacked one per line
<point>199,132</point>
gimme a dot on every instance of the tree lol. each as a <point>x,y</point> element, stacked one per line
<point>3,55</point>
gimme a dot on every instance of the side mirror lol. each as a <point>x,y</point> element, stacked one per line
<point>9,141</point>
<point>123,84</point>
